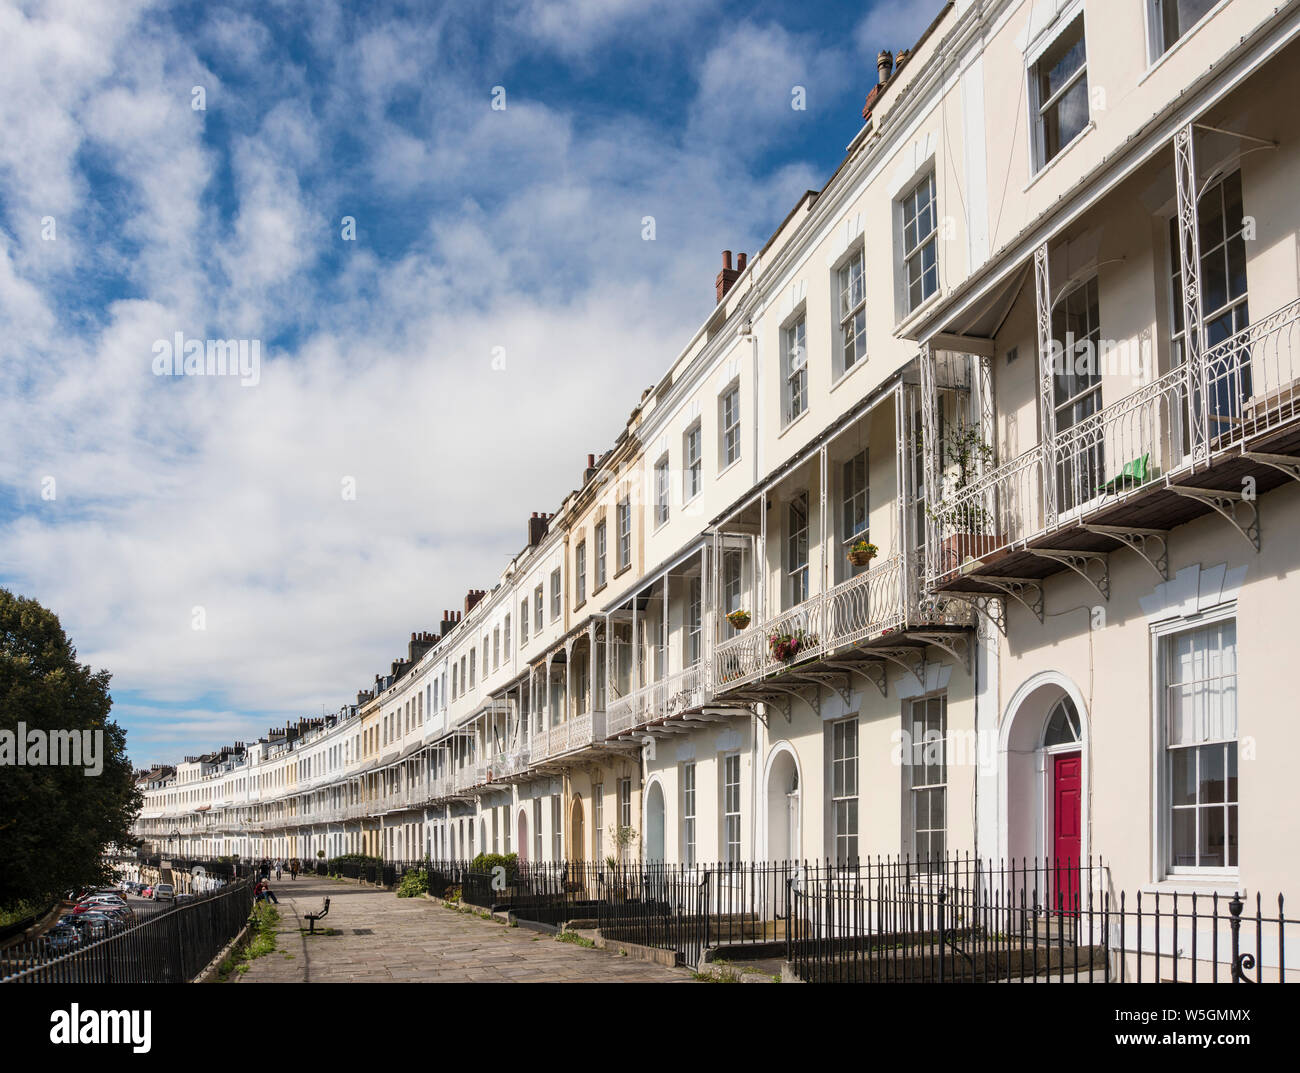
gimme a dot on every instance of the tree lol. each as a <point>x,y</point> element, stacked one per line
<point>56,819</point>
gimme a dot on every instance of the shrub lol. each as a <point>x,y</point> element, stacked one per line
<point>487,862</point>
<point>413,884</point>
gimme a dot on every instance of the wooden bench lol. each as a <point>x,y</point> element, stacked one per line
<point>313,917</point>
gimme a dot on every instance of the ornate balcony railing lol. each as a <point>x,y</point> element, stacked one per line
<point>1250,386</point>
<point>634,709</point>
<point>1253,379</point>
<point>858,609</point>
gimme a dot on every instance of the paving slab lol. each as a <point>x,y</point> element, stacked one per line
<point>418,940</point>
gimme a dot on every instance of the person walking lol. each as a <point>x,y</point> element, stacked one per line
<point>293,868</point>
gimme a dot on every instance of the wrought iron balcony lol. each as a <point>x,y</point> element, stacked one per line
<point>1165,453</point>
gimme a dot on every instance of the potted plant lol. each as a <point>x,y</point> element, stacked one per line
<point>739,618</point>
<point>861,552</point>
<point>971,537</point>
<point>785,646</point>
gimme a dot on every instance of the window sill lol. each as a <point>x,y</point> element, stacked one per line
<point>1224,884</point>
<point>622,570</point>
<point>791,424</point>
<point>909,321</point>
<point>728,467</point>
<point>1061,154</point>
<point>845,375</point>
<point>599,589</point>
<point>1186,34</point>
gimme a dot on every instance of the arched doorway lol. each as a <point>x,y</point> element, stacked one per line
<point>577,833</point>
<point>1045,778</point>
<point>654,821</point>
<point>523,835</point>
<point>784,813</point>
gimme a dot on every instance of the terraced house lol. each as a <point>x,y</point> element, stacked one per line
<point>964,524</point>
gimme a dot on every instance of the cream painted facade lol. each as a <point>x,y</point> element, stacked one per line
<point>1076,610</point>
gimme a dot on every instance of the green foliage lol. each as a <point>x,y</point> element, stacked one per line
<point>574,938</point>
<point>413,884</point>
<point>55,820</point>
<point>355,858</point>
<point>487,862</point>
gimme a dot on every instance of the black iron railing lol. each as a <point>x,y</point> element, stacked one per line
<point>171,946</point>
<point>900,919</point>
<point>962,919</point>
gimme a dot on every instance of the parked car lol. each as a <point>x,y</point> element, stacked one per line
<point>62,938</point>
<point>99,903</point>
<point>163,892</point>
<point>97,926</point>
<point>146,892</point>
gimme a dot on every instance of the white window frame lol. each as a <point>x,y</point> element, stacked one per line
<point>557,594</point>
<point>661,479</point>
<point>580,573</point>
<point>1037,107</point>
<point>692,461</point>
<point>689,818</point>
<point>539,609</point>
<point>798,591</point>
<point>794,369</point>
<point>624,515</point>
<point>1157,46</point>
<point>849,306</point>
<point>907,203</point>
<point>844,790</point>
<point>602,551</point>
<point>911,788</point>
<point>1161,825</point>
<point>693,633</point>
<point>731,816</point>
<point>729,425</point>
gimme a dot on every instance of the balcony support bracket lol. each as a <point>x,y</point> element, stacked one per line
<point>1288,464</point>
<point>833,678</point>
<point>871,672</point>
<point>788,691</point>
<point>1027,591</point>
<point>1151,544</point>
<point>912,660</point>
<point>1084,563</point>
<point>991,607</point>
<point>954,644</point>
<point>1229,504</point>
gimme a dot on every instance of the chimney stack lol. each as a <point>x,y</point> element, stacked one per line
<point>727,276</point>
<point>884,65</point>
<point>420,644</point>
<point>538,525</point>
<point>472,597</point>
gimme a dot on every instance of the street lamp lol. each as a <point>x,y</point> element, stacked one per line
<point>175,835</point>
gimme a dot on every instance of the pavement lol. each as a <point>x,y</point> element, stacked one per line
<point>386,939</point>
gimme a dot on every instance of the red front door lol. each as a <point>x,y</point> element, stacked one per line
<point>1067,793</point>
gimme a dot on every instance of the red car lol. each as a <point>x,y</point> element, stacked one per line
<point>147,892</point>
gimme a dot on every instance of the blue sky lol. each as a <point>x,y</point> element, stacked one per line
<point>128,500</point>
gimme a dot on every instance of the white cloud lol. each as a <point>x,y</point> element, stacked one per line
<point>176,494</point>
